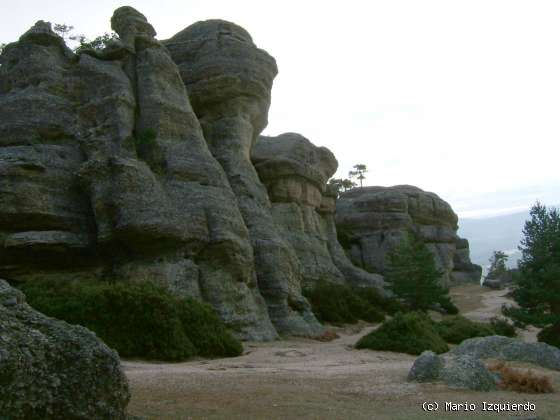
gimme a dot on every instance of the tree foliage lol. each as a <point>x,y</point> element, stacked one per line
<point>341,185</point>
<point>359,170</point>
<point>537,287</point>
<point>413,276</point>
<point>98,43</point>
<point>497,265</point>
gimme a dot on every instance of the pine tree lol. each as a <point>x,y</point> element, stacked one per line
<point>359,170</point>
<point>537,287</point>
<point>413,276</point>
<point>497,265</point>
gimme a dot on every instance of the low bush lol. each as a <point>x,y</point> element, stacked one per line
<point>137,319</point>
<point>389,305</point>
<point>519,381</point>
<point>410,333</point>
<point>503,327</point>
<point>550,335</point>
<point>448,306</point>
<point>457,328</point>
<point>340,304</point>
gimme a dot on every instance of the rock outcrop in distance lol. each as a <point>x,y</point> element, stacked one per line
<point>143,162</point>
<point>53,370</point>
<point>371,221</point>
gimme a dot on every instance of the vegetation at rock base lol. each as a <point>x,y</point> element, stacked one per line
<point>550,335</point>
<point>340,304</point>
<point>536,288</point>
<point>457,328</point>
<point>503,327</point>
<point>411,333</point>
<point>412,275</point>
<point>137,319</point>
<point>519,381</point>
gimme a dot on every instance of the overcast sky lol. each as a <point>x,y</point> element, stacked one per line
<point>461,98</point>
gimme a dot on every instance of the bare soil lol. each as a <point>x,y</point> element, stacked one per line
<point>308,379</point>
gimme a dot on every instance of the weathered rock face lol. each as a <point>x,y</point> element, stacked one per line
<point>464,372</point>
<point>464,271</point>
<point>295,173</point>
<point>510,349</point>
<point>229,82</point>
<point>52,370</point>
<point>105,172</point>
<point>373,220</point>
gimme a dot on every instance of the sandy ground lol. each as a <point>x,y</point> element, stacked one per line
<point>307,379</point>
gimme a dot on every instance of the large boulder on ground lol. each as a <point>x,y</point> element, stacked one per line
<point>455,371</point>
<point>372,221</point>
<point>53,370</point>
<point>510,349</point>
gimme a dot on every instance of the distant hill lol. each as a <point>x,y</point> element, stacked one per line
<point>497,233</point>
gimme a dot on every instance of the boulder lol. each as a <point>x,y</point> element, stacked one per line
<point>464,372</point>
<point>53,370</point>
<point>372,221</point>
<point>509,349</point>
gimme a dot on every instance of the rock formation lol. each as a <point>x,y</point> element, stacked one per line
<point>52,370</point>
<point>142,161</point>
<point>295,173</point>
<point>371,221</point>
<point>106,173</point>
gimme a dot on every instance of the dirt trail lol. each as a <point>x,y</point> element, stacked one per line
<point>300,378</point>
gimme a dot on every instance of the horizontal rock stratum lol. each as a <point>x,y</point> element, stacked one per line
<point>372,221</point>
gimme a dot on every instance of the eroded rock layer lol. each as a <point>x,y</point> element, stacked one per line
<point>295,173</point>
<point>229,82</point>
<point>106,173</point>
<point>372,221</point>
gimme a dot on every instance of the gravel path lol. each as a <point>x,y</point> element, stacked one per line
<point>300,378</point>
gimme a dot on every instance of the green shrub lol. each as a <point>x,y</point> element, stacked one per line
<point>206,331</point>
<point>339,304</point>
<point>389,305</point>
<point>137,319</point>
<point>457,328</point>
<point>502,327</point>
<point>550,335</point>
<point>410,333</point>
<point>448,306</point>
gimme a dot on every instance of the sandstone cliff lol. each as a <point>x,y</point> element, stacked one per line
<point>143,162</point>
<point>372,220</point>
